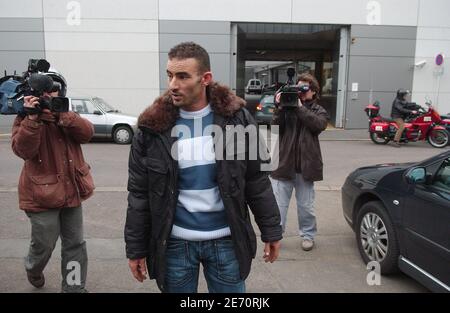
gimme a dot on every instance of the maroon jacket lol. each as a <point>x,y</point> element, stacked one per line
<point>55,174</point>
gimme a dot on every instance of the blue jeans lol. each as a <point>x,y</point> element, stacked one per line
<point>304,194</point>
<point>220,266</point>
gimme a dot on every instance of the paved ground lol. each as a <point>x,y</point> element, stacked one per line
<point>334,266</point>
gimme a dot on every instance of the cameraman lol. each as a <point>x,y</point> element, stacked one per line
<point>54,180</point>
<point>300,159</point>
<point>401,109</point>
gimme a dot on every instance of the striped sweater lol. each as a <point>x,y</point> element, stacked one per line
<point>200,211</point>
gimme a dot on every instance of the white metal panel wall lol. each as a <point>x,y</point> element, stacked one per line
<point>433,37</point>
<point>21,34</point>
<point>112,53</point>
<point>398,12</point>
<point>230,10</point>
<point>21,8</point>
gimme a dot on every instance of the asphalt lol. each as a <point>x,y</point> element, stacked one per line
<point>334,265</point>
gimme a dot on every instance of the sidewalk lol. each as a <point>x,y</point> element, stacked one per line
<point>339,134</point>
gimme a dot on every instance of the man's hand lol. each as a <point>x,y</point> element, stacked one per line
<point>414,112</point>
<point>271,251</point>
<point>31,102</point>
<point>138,268</point>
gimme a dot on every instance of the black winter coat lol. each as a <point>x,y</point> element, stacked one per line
<point>402,108</point>
<point>299,141</point>
<point>153,186</point>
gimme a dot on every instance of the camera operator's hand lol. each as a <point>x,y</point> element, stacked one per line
<point>414,112</point>
<point>300,104</point>
<point>31,102</point>
<point>277,98</point>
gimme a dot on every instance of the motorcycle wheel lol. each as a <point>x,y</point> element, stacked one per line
<point>438,138</point>
<point>379,140</point>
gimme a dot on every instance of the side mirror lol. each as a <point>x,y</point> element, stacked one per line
<point>97,112</point>
<point>417,175</point>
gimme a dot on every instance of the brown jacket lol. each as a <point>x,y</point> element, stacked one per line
<point>299,149</point>
<point>55,174</point>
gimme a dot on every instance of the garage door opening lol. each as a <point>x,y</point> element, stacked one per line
<point>266,51</point>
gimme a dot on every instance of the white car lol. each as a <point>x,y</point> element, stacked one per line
<point>253,85</point>
<point>108,122</point>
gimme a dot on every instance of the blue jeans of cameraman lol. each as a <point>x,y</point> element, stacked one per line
<point>304,194</point>
<point>220,266</point>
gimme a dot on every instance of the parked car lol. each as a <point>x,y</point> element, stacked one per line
<point>253,86</point>
<point>108,122</point>
<point>264,109</point>
<point>400,214</point>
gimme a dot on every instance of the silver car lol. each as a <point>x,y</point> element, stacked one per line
<point>108,122</point>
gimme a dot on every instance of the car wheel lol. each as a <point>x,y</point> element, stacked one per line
<point>122,135</point>
<point>376,237</point>
<point>378,140</point>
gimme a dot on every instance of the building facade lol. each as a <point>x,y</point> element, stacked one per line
<point>362,50</point>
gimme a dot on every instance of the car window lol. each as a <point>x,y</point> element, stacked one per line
<point>442,178</point>
<point>103,105</point>
<point>82,106</point>
<point>90,106</point>
<point>79,106</point>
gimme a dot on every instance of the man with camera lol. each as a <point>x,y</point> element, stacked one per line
<point>301,119</point>
<point>54,181</point>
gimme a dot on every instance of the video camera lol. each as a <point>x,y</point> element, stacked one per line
<point>290,92</point>
<point>37,85</point>
<point>35,82</point>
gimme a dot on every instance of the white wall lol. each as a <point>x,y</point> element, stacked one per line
<point>112,53</point>
<point>20,8</point>
<point>433,37</point>
<point>392,12</point>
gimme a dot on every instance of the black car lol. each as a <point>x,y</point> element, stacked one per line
<point>400,214</point>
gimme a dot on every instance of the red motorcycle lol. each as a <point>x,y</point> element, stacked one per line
<point>426,125</point>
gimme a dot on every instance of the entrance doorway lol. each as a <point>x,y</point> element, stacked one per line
<point>265,52</point>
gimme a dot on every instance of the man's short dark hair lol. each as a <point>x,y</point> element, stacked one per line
<point>186,50</point>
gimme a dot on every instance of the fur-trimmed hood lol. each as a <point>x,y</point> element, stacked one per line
<point>162,114</point>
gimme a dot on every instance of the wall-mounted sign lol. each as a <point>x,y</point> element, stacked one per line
<point>439,59</point>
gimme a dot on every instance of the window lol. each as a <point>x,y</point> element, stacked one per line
<point>83,106</point>
<point>78,106</point>
<point>104,106</point>
<point>442,178</point>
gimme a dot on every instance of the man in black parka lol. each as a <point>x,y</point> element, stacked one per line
<point>164,232</point>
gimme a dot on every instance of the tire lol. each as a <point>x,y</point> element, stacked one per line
<point>438,138</point>
<point>374,229</point>
<point>122,135</point>
<point>378,140</point>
